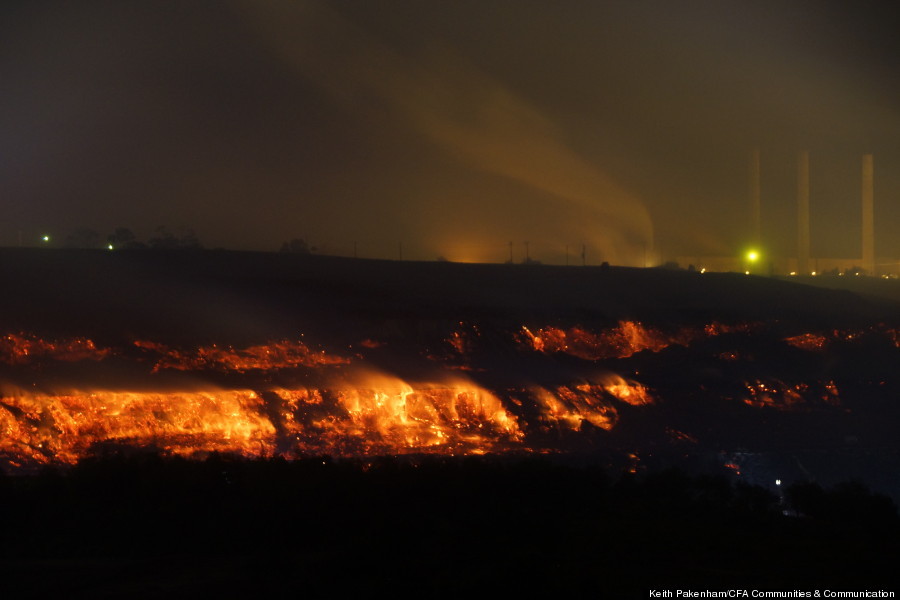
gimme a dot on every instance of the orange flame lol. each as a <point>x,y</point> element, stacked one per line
<point>45,428</point>
<point>21,349</point>
<point>627,338</point>
<point>377,414</point>
<point>570,406</point>
<point>274,355</point>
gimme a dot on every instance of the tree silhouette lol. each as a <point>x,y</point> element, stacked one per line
<point>297,246</point>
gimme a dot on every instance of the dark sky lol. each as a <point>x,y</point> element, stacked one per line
<point>450,127</point>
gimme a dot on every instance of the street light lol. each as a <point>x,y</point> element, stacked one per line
<point>751,258</point>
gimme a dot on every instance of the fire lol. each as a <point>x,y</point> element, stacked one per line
<point>622,341</point>
<point>21,349</point>
<point>274,355</point>
<point>570,406</point>
<point>388,415</point>
<point>377,414</point>
<point>63,428</point>
<point>626,391</point>
<point>808,341</point>
<point>782,396</point>
<point>329,406</point>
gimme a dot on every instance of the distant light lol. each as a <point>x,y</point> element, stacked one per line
<point>793,273</point>
<point>46,238</point>
<point>777,482</point>
<point>703,270</point>
<point>109,246</point>
<point>753,256</point>
<point>813,273</point>
<point>746,272</point>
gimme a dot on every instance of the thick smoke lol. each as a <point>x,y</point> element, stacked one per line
<point>478,122</point>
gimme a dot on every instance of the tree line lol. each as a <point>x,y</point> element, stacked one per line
<point>124,238</point>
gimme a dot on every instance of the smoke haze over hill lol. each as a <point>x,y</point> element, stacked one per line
<point>451,128</point>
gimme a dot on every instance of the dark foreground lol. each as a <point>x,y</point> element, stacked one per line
<point>140,526</point>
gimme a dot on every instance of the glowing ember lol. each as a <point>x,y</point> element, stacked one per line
<point>21,349</point>
<point>274,355</point>
<point>808,341</point>
<point>621,341</point>
<point>781,396</point>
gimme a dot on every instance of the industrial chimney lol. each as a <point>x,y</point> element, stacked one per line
<point>868,214</point>
<point>803,213</point>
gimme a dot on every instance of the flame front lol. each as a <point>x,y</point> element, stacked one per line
<point>388,415</point>
<point>64,428</point>
<point>287,398</point>
<point>381,415</point>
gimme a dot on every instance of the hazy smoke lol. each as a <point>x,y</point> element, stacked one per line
<point>475,119</point>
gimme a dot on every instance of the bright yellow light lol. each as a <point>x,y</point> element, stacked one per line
<point>46,238</point>
<point>793,273</point>
<point>753,256</point>
<point>109,246</point>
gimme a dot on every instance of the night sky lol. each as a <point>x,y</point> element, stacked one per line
<point>451,128</point>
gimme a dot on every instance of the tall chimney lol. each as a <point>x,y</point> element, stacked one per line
<point>868,213</point>
<point>755,235</point>
<point>803,213</point>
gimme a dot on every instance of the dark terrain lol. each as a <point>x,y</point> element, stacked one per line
<point>677,493</point>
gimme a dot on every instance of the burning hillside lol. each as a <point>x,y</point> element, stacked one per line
<point>316,369</point>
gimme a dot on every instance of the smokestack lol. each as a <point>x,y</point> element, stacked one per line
<point>868,213</point>
<point>803,213</point>
<point>754,198</point>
